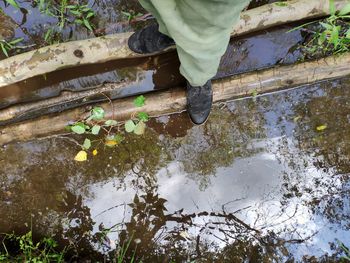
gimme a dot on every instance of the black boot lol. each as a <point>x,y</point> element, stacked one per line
<point>149,40</point>
<point>199,102</point>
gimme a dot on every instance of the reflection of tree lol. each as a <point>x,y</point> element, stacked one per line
<point>42,178</point>
<point>160,236</point>
<point>332,109</point>
<point>225,137</point>
<point>329,148</point>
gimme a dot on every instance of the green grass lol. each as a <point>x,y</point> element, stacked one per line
<point>7,46</point>
<point>330,36</point>
<point>24,249</point>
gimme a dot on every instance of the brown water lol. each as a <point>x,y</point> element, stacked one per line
<point>256,183</point>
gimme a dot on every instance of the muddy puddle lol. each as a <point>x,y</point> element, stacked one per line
<point>257,183</point>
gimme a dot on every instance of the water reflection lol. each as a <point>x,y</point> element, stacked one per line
<point>257,183</point>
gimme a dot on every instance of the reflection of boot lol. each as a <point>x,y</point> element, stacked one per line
<point>149,40</point>
<point>199,102</point>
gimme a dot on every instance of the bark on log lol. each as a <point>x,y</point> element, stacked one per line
<point>160,103</point>
<point>17,112</point>
<point>112,47</point>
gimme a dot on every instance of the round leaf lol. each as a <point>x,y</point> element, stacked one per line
<point>81,156</point>
<point>111,123</point>
<point>97,113</point>
<point>96,129</point>
<point>140,128</point>
<point>78,128</point>
<point>143,116</point>
<point>87,144</point>
<point>130,126</point>
<point>139,101</point>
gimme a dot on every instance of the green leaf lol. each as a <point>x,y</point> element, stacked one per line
<point>97,113</point>
<point>326,26</point>
<point>78,128</point>
<point>140,128</point>
<point>334,39</point>
<point>143,116</point>
<point>48,34</point>
<point>118,138</point>
<point>139,101</point>
<point>130,126</point>
<point>4,49</point>
<point>111,123</point>
<point>322,38</point>
<point>87,24</point>
<point>347,35</point>
<point>13,3</point>
<point>96,129</point>
<point>87,144</point>
<point>345,10</point>
<point>75,12</point>
<point>16,41</point>
<point>90,14</point>
<point>281,3</point>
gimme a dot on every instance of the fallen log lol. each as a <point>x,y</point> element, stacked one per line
<point>36,109</point>
<point>160,103</point>
<point>112,47</point>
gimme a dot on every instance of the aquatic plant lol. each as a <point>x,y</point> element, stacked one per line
<point>113,136</point>
<point>7,46</point>
<point>330,36</point>
<point>24,249</point>
<point>78,14</point>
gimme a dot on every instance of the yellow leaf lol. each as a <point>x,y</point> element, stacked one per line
<point>297,118</point>
<point>111,143</point>
<point>321,128</point>
<point>94,152</point>
<point>81,156</point>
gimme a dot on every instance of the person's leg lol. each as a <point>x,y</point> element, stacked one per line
<point>201,30</point>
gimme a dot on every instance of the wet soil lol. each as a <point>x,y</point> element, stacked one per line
<point>256,183</point>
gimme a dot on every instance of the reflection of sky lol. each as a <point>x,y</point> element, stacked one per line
<point>256,185</point>
<point>252,184</point>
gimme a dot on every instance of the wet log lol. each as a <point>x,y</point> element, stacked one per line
<point>160,103</point>
<point>112,47</point>
<point>36,109</point>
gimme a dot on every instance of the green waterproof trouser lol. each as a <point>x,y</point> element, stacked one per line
<point>201,30</point>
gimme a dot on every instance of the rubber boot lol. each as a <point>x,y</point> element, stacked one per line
<point>199,102</point>
<point>149,40</point>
